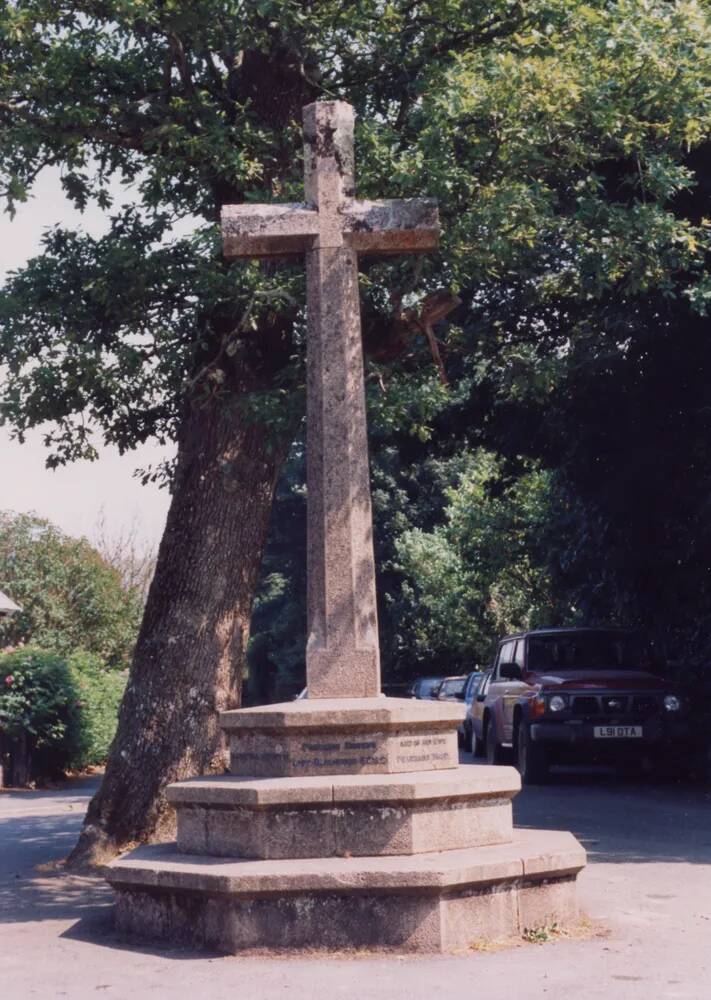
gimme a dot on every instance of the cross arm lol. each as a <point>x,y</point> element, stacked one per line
<point>396,225</point>
<point>268,230</point>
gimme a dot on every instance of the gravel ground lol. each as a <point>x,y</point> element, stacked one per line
<point>646,892</point>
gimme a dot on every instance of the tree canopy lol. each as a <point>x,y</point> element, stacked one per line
<point>555,135</point>
<point>71,599</point>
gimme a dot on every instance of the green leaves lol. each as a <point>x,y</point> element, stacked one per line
<point>61,711</point>
<point>554,134</point>
<point>70,598</point>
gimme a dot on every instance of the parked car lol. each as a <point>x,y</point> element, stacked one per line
<point>472,727</point>
<point>471,683</point>
<point>578,693</point>
<point>452,688</point>
<point>425,687</point>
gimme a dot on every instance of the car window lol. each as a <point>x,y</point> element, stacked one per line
<point>505,654</point>
<point>594,650</point>
<point>454,686</point>
<point>518,654</point>
<point>473,686</point>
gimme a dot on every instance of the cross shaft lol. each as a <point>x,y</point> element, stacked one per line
<point>331,228</point>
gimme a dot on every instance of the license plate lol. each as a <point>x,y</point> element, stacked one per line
<point>617,732</point>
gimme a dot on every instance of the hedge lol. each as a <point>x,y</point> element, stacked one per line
<point>56,712</point>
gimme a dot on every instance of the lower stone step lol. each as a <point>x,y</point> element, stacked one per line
<point>428,902</point>
<point>341,815</point>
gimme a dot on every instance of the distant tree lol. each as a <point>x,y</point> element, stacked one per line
<point>135,560</point>
<point>71,598</point>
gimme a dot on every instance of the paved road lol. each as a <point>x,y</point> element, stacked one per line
<point>647,891</point>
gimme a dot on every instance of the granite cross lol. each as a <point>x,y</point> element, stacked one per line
<point>331,228</point>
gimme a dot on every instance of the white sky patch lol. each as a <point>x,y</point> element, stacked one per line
<point>73,497</point>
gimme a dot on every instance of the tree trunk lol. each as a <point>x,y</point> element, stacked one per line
<point>20,762</point>
<point>187,666</point>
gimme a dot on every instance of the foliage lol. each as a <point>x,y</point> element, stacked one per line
<point>567,142</point>
<point>70,597</point>
<point>99,693</point>
<point>61,711</point>
<point>483,572</point>
<point>276,667</point>
<point>38,698</point>
<point>552,132</point>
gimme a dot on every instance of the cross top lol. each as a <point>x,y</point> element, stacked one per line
<point>330,217</point>
<point>330,228</point>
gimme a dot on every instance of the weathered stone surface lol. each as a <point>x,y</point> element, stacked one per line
<point>349,736</point>
<point>363,816</point>
<point>342,650</point>
<point>364,751</point>
<point>225,790</point>
<point>345,713</point>
<point>431,902</point>
<point>284,230</point>
<point>391,225</point>
<point>331,228</point>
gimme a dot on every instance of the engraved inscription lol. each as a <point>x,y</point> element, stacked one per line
<point>340,762</point>
<point>422,758</point>
<point>427,741</point>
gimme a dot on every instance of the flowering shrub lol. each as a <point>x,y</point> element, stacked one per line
<point>56,712</point>
<point>37,707</point>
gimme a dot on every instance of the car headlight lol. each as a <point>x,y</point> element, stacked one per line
<point>557,703</point>
<point>672,703</point>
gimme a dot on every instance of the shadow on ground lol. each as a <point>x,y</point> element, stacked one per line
<point>621,821</point>
<point>28,893</point>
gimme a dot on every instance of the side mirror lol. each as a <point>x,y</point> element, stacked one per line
<point>481,697</point>
<point>510,672</point>
<point>460,695</point>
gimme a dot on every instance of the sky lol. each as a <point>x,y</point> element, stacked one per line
<point>75,497</point>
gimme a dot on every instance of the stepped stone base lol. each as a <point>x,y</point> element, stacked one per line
<point>346,815</point>
<point>343,736</point>
<point>423,903</point>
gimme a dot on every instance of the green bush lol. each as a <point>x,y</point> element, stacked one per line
<point>99,695</point>
<point>56,712</point>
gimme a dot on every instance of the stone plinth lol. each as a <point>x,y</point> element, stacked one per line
<point>343,736</point>
<point>346,815</point>
<point>428,902</point>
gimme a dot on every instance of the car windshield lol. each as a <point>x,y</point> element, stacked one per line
<point>588,651</point>
<point>454,686</point>
<point>428,684</point>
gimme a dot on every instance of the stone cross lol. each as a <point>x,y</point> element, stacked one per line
<point>331,228</point>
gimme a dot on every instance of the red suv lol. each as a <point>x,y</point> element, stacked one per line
<point>573,693</point>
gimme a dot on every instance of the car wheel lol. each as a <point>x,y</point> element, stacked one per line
<point>532,759</point>
<point>494,750</point>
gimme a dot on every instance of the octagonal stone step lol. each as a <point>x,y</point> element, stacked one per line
<point>356,815</point>
<point>343,736</point>
<point>431,902</point>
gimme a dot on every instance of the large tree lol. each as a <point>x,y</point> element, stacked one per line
<point>510,112</point>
